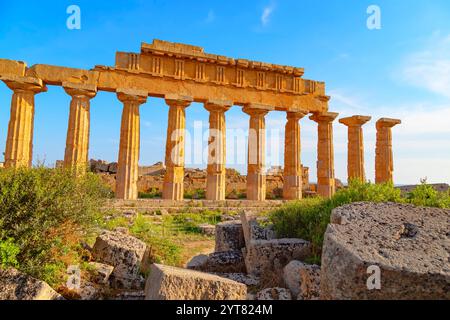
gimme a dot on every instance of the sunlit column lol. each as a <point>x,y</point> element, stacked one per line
<point>384,163</point>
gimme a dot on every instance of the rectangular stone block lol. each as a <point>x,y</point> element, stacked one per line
<point>12,67</point>
<point>171,283</point>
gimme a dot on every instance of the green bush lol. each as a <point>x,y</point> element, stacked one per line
<point>46,212</point>
<point>426,196</point>
<point>8,253</point>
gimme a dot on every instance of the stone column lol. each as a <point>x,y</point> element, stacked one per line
<point>256,176</point>
<point>128,163</point>
<point>216,171</point>
<point>326,186</point>
<point>384,163</point>
<point>173,188</point>
<point>19,143</point>
<point>292,187</point>
<point>77,142</point>
<point>355,148</point>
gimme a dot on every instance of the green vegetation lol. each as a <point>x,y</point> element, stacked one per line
<point>150,194</point>
<point>172,239</point>
<point>308,219</point>
<point>195,194</point>
<point>43,215</point>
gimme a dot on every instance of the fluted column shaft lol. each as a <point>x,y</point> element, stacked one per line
<point>19,143</point>
<point>128,163</point>
<point>384,163</point>
<point>77,142</point>
<point>256,176</point>
<point>355,147</point>
<point>293,180</point>
<point>173,188</point>
<point>216,171</point>
<point>326,185</point>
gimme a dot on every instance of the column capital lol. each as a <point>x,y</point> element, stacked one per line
<point>132,95</point>
<point>355,121</point>
<point>256,109</point>
<point>176,100</point>
<point>80,89</point>
<point>218,105</point>
<point>326,117</point>
<point>296,115</point>
<point>388,123</point>
<point>20,83</point>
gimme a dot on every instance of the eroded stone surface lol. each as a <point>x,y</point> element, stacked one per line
<point>409,244</point>
<point>229,236</point>
<point>272,255</point>
<point>302,279</point>
<point>15,285</point>
<point>224,261</point>
<point>274,294</point>
<point>100,272</point>
<point>125,253</point>
<point>170,283</point>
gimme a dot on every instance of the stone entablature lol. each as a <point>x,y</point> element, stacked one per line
<point>182,74</point>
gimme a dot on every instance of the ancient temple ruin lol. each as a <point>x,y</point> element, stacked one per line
<point>182,74</point>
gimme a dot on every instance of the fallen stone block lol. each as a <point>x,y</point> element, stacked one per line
<point>224,262</point>
<point>229,236</point>
<point>247,279</point>
<point>274,294</point>
<point>386,251</point>
<point>302,279</point>
<point>126,254</point>
<point>100,272</point>
<point>265,256</point>
<point>171,283</point>
<point>15,285</point>
<point>207,229</point>
<point>253,230</point>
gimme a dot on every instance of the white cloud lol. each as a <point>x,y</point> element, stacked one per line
<point>430,68</point>
<point>210,17</point>
<point>266,14</point>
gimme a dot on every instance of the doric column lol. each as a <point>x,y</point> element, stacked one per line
<point>19,143</point>
<point>325,154</point>
<point>355,148</point>
<point>256,176</point>
<point>216,171</point>
<point>173,188</point>
<point>292,187</point>
<point>384,163</point>
<point>77,142</point>
<point>128,164</point>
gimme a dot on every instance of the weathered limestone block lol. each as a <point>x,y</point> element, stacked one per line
<point>384,159</point>
<point>274,294</point>
<point>229,236</point>
<point>100,272</point>
<point>410,246</point>
<point>355,148</point>
<point>170,283</point>
<point>252,230</point>
<point>325,154</point>
<point>15,285</point>
<point>207,229</point>
<point>12,67</point>
<point>302,279</point>
<point>125,253</point>
<point>267,256</point>
<point>224,262</point>
<point>293,175</point>
<point>247,279</point>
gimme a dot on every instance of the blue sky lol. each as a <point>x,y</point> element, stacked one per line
<point>401,70</point>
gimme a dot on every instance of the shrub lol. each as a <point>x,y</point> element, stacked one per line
<point>46,212</point>
<point>426,196</point>
<point>8,253</point>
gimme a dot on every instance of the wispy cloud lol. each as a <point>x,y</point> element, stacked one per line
<point>429,68</point>
<point>210,17</point>
<point>267,14</point>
